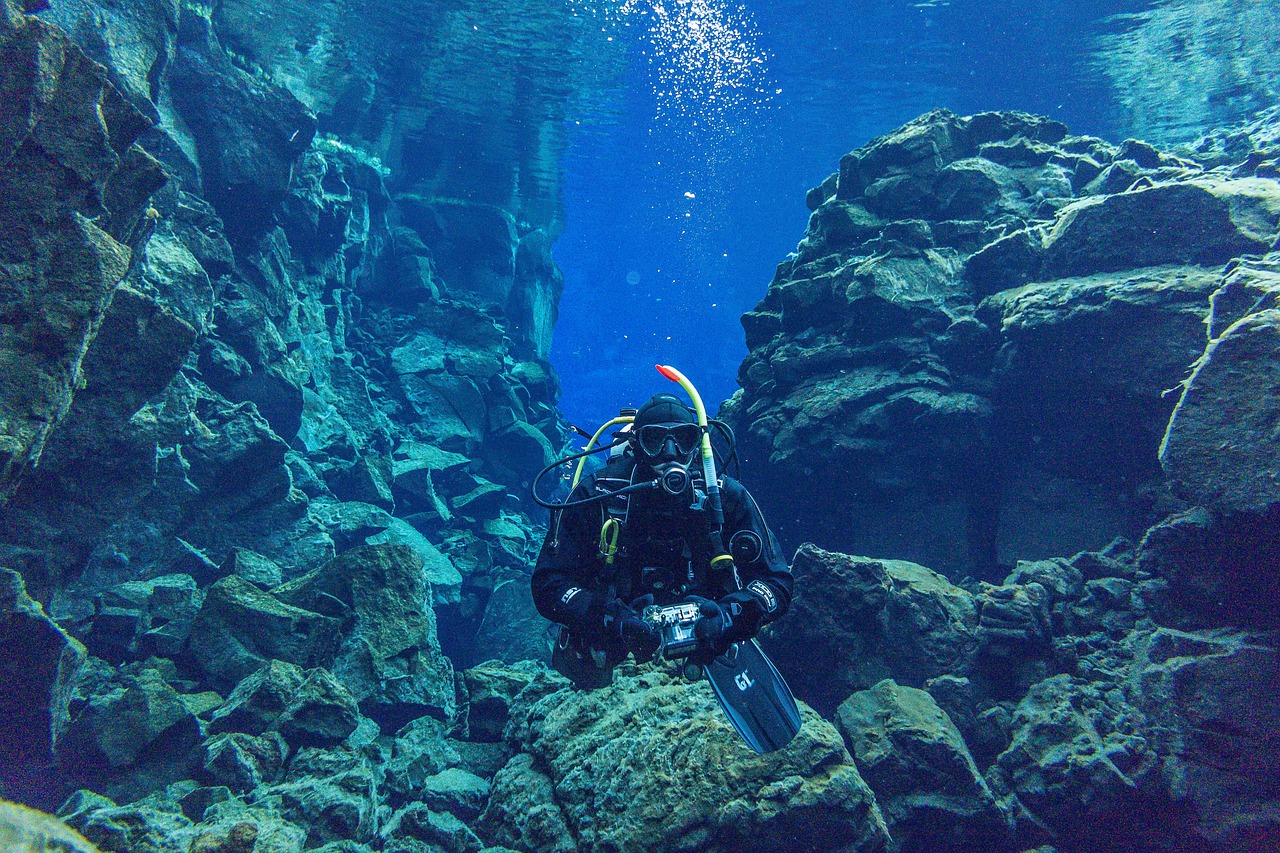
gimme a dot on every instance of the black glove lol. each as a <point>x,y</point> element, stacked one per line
<point>718,629</point>
<point>623,623</point>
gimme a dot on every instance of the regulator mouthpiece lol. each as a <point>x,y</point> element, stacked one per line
<point>675,480</point>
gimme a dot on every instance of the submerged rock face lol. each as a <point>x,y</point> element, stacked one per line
<point>73,188</point>
<point>1000,341</point>
<point>36,672</point>
<point>925,780</point>
<point>306,344</point>
<point>1067,710</point>
<point>587,776</point>
<point>275,384</point>
<point>969,353</point>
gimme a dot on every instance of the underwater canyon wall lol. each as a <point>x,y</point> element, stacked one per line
<point>255,311</point>
<point>329,326</point>
<point>263,420</point>
<point>974,354</point>
<point>999,344</point>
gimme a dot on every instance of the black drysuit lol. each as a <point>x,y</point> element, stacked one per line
<point>664,550</point>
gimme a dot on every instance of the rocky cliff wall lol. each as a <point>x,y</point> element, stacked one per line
<point>998,343</point>
<point>257,312</point>
<point>258,469</point>
<point>973,355</point>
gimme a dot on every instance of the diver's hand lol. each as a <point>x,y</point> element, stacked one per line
<point>636,635</point>
<point>714,630</point>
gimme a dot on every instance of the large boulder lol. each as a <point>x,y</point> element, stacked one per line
<point>38,663</point>
<point>1080,762</point>
<point>32,831</point>
<point>1221,450</point>
<point>129,734</point>
<point>872,619</point>
<point>1211,700</point>
<point>523,814</point>
<point>598,751</point>
<point>390,657</point>
<point>136,619</point>
<point>931,793</point>
<point>239,628</point>
<point>1203,221</point>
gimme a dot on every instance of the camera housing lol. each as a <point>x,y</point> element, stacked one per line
<point>675,623</point>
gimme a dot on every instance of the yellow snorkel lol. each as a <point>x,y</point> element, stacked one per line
<point>708,455</point>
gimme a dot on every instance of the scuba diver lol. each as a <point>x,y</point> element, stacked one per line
<point>654,532</point>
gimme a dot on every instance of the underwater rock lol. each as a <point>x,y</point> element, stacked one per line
<point>457,792</point>
<point>331,808</point>
<point>974,340</point>
<point>158,824</point>
<point>442,575</point>
<point>38,663</point>
<point>522,812</point>
<point>33,831</point>
<point>512,629</point>
<point>1218,570</point>
<point>248,132</point>
<point>473,245</point>
<point>258,700</point>
<point>251,566</point>
<point>240,628</point>
<point>243,762</point>
<point>984,724</point>
<point>599,747</point>
<point>1080,762</point>
<point>925,781</point>
<point>1118,341</point>
<point>874,619</point>
<point>1202,221</point>
<point>1210,698</point>
<point>1220,450</point>
<point>240,838</point>
<point>390,656</point>
<point>308,708</point>
<point>440,829</point>
<point>125,827</point>
<point>1012,616</point>
<point>130,734</point>
<point>420,751</point>
<point>72,193</point>
<point>137,619</point>
<point>491,688</point>
<point>135,43</point>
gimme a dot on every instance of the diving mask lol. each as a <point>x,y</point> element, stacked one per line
<point>653,440</point>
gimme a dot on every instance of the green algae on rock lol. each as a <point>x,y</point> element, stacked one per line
<point>650,761</point>
<point>32,831</point>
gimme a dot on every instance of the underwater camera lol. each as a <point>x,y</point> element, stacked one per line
<point>675,622</point>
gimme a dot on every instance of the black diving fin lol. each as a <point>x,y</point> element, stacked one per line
<point>754,697</point>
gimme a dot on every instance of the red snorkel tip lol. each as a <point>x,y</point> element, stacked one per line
<point>667,372</point>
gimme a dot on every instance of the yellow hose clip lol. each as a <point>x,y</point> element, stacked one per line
<point>715,560</point>
<point>609,540</point>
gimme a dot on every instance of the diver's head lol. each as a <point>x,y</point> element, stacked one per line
<point>665,435</point>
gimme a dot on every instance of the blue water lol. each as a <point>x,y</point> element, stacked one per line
<point>675,219</point>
